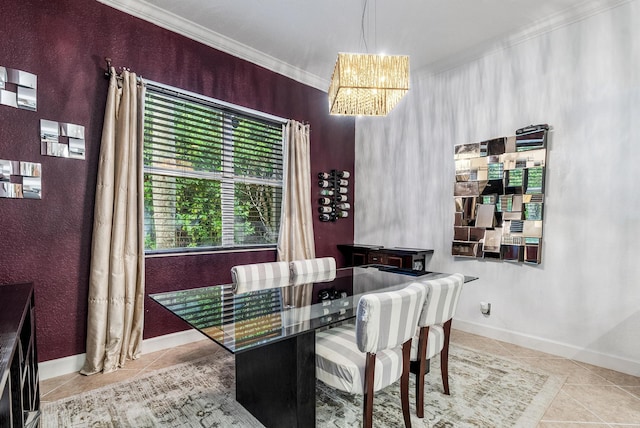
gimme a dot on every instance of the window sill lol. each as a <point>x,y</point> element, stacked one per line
<point>204,251</point>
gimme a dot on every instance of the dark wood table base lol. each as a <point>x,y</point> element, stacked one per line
<point>277,382</point>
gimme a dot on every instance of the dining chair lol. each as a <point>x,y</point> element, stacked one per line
<point>434,330</point>
<point>375,353</point>
<point>313,270</point>
<point>260,276</point>
<point>310,266</point>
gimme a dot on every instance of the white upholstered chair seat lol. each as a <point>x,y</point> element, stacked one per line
<point>435,342</point>
<point>340,364</point>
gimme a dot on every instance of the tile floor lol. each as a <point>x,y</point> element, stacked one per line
<point>592,397</point>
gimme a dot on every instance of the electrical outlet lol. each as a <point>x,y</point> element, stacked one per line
<point>485,308</point>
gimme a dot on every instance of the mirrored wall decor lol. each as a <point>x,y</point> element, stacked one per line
<point>64,140</point>
<point>18,88</point>
<point>499,197</point>
<point>20,179</point>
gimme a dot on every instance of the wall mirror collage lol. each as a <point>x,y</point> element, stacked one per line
<point>64,140</point>
<point>18,88</point>
<point>20,180</point>
<point>499,197</point>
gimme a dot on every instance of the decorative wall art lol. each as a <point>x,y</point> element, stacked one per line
<point>20,179</point>
<point>18,88</point>
<point>62,139</point>
<point>334,199</point>
<point>499,197</point>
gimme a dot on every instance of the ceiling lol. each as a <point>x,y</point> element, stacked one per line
<point>300,38</point>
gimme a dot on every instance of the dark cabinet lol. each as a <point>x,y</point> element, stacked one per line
<point>380,257</point>
<point>356,255</point>
<point>405,258</point>
<point>20,400</point>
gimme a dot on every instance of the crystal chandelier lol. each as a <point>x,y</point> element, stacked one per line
<point>368,84</point>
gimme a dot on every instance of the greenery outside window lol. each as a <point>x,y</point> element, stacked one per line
<point>213,174</point>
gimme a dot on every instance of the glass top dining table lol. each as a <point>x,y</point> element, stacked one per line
<point>246,316</point>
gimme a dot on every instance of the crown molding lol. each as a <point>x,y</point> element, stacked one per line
<point>155,15</point>
<point>177,24</point>
<point>537,28</point>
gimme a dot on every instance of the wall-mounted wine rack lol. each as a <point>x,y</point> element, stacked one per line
<point>334,200</point>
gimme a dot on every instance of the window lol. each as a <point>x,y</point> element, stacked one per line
<point>213,174</point>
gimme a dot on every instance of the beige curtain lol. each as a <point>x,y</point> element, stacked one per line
<point>296,240</point>
<point>116,282</point>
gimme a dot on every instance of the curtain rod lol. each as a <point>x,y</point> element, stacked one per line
<point>107,73</point>
<point>219,103</point>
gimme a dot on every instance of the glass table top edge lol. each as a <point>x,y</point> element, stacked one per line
<point>261,316</point>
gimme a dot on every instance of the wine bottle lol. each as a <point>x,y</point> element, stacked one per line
<point>344,206</point>
<point>342,190</point>
<point>323,183</point>
<point>326,192</point>
<point>327,217</point>
<point>341,198</point>
<point>343,214</point>
<point>323,175</point>
<point>343,174</point>
<point>325,210</point>
<point>324,201</point>
<point>342,182</point>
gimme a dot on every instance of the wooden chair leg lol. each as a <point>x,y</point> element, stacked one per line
<point>444,357</point>
<point>422,368</point>
<point>404,382</point>
<point>369,371</point>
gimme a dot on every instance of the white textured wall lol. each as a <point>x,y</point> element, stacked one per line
<point>583,79</point>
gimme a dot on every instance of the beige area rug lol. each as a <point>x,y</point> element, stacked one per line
<point>486,391</point>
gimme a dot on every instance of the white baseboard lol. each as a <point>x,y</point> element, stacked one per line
<point>170,340</point>
<point>74,363</point>
<point>555,348</point>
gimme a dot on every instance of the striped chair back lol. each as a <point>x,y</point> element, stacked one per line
<point>260,275</point>
<point>435,331</point>
<point>309,278</point>
<point>310,266</point>
<point>442,299</point>
<point>387,320</point>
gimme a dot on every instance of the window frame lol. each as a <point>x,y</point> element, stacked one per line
<point>226,245</point>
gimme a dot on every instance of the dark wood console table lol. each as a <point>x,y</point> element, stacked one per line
<point>19,388</point>
<point>405,258</point>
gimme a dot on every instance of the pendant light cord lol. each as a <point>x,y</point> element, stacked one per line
<point>364,39</point>
<point>362,26</point>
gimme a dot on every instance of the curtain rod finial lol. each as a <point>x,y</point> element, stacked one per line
<point>107,73</point>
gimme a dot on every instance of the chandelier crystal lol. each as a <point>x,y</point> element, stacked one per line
<point>368,84</point>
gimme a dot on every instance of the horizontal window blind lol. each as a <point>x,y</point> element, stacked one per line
<point>213,176</point>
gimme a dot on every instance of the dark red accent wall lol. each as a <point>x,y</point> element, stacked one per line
<point>48,242</point>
